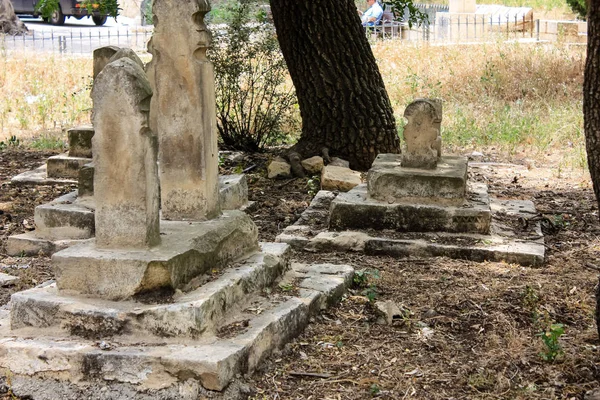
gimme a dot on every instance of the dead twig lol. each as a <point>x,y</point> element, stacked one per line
<point>310,374</point>
<point>592,266</point>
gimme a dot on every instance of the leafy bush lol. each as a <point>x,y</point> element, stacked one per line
<point>579,7</point>
<point>109,7</point>
<point>254,104</point>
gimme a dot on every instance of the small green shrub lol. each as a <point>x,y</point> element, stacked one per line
<point>254,103</point>
<point>313,184</point>
<point>363,279</point>
<point>550,338</point>
<point>12,141</point>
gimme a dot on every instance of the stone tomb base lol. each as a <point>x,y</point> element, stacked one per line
<point>507,239</point>
<point>187,249</point>
<point>69,219</point>
<point>69,346</point>
<point>356,210</point>
<point>388,181</point>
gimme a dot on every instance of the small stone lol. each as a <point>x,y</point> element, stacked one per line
<point>338,162</point>
<point>279,168</point>
<point>339,178</point>
<point>388,309</point>
<point>104,345</point>
<point>6,207</point>
<point>313,165</point>
<point>7,280</point>
<point>476,154</point>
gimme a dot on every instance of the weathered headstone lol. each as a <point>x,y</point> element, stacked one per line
<point>423,143</point>
<point>126,187</point>
<point>127,52</point>
<point>102,56</point>
<point>183,110</point>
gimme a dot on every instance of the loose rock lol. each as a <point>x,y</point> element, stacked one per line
<point>279,168</point>
<point>339,178</point>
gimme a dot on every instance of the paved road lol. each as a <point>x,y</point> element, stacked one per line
<point>78,36</point>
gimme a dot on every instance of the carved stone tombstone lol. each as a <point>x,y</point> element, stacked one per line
<point>102,56</point>
<point>423,143</point>
<point>183,110</point>
<point>125,154</point>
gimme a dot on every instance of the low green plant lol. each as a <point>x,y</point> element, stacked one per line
<point>286,287</point>
<point>550,337</point>
<point>12,141</point>
<point>374,389</point>
<point>531,300</point>
<point>47,142</point>
<point>313,184</point>
<point>364,279</point>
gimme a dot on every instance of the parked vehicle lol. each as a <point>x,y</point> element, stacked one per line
<point>57,13</point>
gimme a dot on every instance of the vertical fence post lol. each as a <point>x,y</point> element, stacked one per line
<point>537,28</point>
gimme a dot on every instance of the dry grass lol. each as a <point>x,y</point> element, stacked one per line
<point>513,97</point>
<point>508,95</point>
<point>42,93</point>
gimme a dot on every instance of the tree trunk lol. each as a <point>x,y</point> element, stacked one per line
<point>343,102</point>
<point>9,22</point>
<point>591,95</point>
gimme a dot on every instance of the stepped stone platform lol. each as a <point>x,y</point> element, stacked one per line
<point>69,219</point>
<point>356,209</point>
<point>64,168</point>
<point>508,239</point>
<point>58,345</point>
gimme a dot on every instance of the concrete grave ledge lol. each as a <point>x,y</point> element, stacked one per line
<point>187,250</point>
<point>501,244</point>
<point>39,176</point>
<point>65,166</point>
<point>65,217</point>
<point>356,210</point>
<point>388,181</point>
<point>190,314</point>
<point>44,362</point>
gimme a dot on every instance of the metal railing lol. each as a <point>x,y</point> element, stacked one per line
<point>459,28</point>
<point>77,41</point>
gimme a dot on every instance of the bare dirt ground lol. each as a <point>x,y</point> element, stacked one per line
<point>468,330</point>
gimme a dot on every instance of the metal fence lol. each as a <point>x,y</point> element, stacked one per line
<point>440,27</point>
<point>459,28</point>
<point>77,41</point>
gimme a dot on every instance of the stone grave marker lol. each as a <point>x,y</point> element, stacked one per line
<point>183,110</point>
<point>423,143</point>
<point>126,188</point>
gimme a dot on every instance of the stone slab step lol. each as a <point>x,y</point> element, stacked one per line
<point>70,218</point>
<point>64,166</point>
<point>190,314</point>
<point>80,141</point>
<point>28,244</point>
<point>74,366</point>
<point>188,249</point>
<point>39,176</point>
<point>356,210</point>
<point>65,218</point>
<point>505,242</point>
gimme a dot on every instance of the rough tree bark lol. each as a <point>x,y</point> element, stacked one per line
<point>591,95</point>
<point>343,102</point>
<point>9,22</point>
<point>591,109</point>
